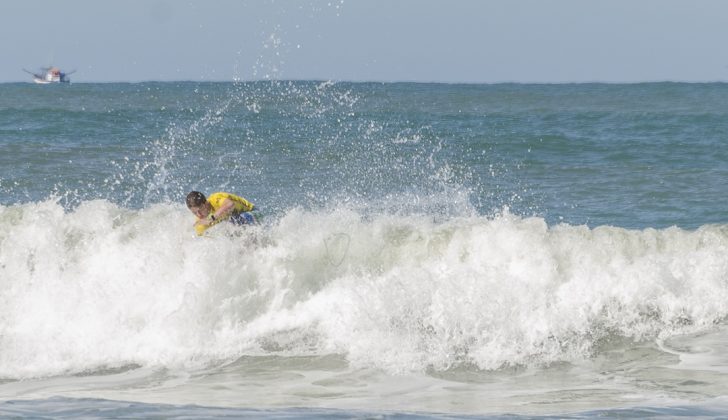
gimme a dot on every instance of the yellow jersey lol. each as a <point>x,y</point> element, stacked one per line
<point>241,204</point>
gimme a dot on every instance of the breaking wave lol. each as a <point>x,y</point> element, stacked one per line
<point>103,286</point>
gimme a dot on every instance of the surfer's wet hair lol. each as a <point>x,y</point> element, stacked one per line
<point>195,199</point>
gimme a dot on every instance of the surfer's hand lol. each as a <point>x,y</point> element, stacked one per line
<point>203,222</point>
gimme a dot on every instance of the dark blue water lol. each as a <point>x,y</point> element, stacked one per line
<point>643,155</point>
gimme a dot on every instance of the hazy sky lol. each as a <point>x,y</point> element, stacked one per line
<point>372,40</point>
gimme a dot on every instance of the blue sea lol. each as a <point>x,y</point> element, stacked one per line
<point>425,250</point>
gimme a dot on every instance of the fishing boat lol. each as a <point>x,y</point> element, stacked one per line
<point>49,75</point>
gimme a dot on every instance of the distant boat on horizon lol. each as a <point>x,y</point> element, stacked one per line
<point>49,75</point>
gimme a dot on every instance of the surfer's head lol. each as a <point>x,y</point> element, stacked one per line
<point>197,203</point>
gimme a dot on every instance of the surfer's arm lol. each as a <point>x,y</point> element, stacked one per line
<point>201,225</point>
<point>222,213</point>
<point>225,209</point>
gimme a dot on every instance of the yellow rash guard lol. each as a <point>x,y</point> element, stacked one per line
<point>216,199</point>
<point>241,204</point>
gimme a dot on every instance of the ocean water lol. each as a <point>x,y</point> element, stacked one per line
<point>426,250</point>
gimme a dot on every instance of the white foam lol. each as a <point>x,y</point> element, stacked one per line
<point>107,286</point>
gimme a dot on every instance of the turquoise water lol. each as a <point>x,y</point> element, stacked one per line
<point>425,248</point>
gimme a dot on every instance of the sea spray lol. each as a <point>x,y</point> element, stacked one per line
<point>103,286</point>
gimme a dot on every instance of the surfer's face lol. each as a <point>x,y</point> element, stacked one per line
<point>201,211</point>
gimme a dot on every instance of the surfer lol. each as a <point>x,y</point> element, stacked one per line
<point>220,206</point>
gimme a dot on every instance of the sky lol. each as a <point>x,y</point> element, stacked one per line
<point>452,41</point>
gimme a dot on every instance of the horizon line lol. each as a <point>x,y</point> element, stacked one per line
<point>432,82</point>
